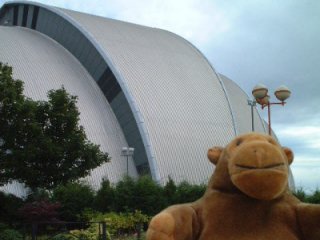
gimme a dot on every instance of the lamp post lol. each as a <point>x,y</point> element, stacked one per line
<point>252,103</point>
<point>127,151</point>
<point>260,93</point>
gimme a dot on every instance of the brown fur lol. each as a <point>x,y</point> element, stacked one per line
<point>247,198</point>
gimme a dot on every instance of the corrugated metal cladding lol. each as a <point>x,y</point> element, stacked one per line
<point>44,64</point>
<point>160,92</point>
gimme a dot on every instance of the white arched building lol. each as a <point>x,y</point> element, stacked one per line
<point>137,86</point>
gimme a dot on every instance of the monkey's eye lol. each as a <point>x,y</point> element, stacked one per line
<point>239,141</point>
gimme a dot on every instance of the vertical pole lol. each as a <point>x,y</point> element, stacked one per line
<point>269,118</point>
<point>104,231</point>
<point>252,103</point>
<point>24,232</point>
<point>34,231</point>
<point>139,231</point>
<point>252,118</point>
<point>127,165</point>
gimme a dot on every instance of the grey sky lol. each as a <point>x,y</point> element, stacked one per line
<point>250,41</point>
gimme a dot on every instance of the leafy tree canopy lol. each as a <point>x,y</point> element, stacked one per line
<point>41,142</point>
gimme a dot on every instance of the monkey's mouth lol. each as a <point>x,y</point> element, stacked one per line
<point>270,166</point>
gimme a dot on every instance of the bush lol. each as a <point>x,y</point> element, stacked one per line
<point>8,207</point>
<point>149,197</point>
<point>314,198</point>
<point>42,211</point>
<point>105,198</point>
<point>9,234</point>
<point>143,194</point>
<point>300,194</point>
<point>64,236</point>
<point>74,198</point>
<point>169,192</point>
<point>37,195</point>
<point>187,192</point>
<point>124,195</point>
<point>87,234</point>
<point>307,198</point>
<point>119,224</point>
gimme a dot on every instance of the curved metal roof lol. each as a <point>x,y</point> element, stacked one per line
<point>168,100</point>
<point>43,65</point>
<point>175,90</point>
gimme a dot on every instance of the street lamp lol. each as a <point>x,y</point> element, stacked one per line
<point>252,103</point>
<point>127,151</point>
<point>260,93</point>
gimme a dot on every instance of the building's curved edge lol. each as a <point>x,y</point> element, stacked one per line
<point>248,97</point>
<point>229,104</point>
<point>217,75</point>
<point>264,125</point>
<point>51,66</point>
<point>135,110</point>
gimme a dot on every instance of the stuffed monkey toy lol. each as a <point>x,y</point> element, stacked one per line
<point>247,198</point>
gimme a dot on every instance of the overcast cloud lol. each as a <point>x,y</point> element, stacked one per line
<point>270,42</point>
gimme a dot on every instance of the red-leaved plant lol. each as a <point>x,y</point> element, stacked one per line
<point>40,211</point>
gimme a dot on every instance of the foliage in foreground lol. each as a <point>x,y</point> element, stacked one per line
<point>79,202</point>
<point>40,211</point>
<point>74,199</point>
<point>118,224</point>
<point>8,208</point>
<point>7,233</point>
<point>42,138</point>
<point>145,195</point>
<point>308,198</point>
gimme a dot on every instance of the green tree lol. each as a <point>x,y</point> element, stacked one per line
<point>148,196</point>
<point>7,233</point>
<point>124,195</point>
<point>169,192</point>
<point>105,197</point>
<point>74,199</point>
<point>187,192</point>
<point>301,194</point>
<point>315,197</point>
<point>129,195</point>
<point>8,208</point>
<point>42,143</point>
<point>11,101</point>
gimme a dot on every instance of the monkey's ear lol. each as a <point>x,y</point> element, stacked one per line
<point>289,154</point>
<point>214,154</point>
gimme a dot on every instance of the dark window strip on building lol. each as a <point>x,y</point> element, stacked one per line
<point>114,91</point>
<point>25,15</point>
<point>107,82</point>
<point>143,169</point>
<point>35,17</point>
<point>104,75</point>
<point>109,85</point>
<point>15,15</point>
<point>3,11</point>
<point>111,89</point>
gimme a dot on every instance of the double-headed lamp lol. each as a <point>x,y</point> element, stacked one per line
<point>260,91</point>
<point>282,93</point>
